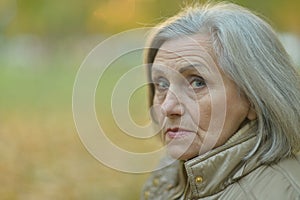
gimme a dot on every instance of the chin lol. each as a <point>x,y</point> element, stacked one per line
<point>181,152</point>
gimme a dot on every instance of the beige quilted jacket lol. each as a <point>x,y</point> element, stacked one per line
<point>222,174</point>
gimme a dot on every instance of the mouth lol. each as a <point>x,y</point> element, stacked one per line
<point>175,133</point>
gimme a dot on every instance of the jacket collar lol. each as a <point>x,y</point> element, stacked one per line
<point>211,172</point>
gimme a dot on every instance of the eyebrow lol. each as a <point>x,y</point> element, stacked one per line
<point>189,67</point>
<point>157,70</point>
<point>183,69</point>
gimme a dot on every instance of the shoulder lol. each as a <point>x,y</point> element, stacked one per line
<point>276,181</point>
<point>161,181</point>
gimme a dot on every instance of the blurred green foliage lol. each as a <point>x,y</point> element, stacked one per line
<point>42,44</point>
<point>66,17</point>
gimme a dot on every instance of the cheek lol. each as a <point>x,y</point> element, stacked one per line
<point>156,111</point>
<point>201,114</point>
<point>237,110</point>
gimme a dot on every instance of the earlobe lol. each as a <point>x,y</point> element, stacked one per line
<point>251,114</point>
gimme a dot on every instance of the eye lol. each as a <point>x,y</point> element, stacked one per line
<point>197,82</point>
<point>161,84</point>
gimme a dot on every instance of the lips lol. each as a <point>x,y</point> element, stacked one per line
<point>174,133</point>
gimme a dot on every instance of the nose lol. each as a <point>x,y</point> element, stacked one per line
<point>171,106</point>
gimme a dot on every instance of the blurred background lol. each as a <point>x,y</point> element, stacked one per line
<point>42,45</point>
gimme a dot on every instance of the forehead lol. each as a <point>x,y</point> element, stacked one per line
<point>195,48</point>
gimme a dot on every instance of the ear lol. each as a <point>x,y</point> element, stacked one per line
<point>251,114</point>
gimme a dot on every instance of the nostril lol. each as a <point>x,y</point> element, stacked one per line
<point>172,109</point>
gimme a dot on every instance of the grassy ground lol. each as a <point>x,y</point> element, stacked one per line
<point>41,154</point>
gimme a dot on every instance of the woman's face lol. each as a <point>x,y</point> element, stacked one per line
<point>197,106</point>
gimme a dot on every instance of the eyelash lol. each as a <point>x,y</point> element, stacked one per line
<point>161,84</point>
<point>201,81</point>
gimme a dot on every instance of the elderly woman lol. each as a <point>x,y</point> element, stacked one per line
<point>226,96</point>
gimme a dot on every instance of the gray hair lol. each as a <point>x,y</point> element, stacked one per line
<point>250,53</point>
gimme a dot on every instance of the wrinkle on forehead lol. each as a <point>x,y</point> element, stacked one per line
<point>186,50</point>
